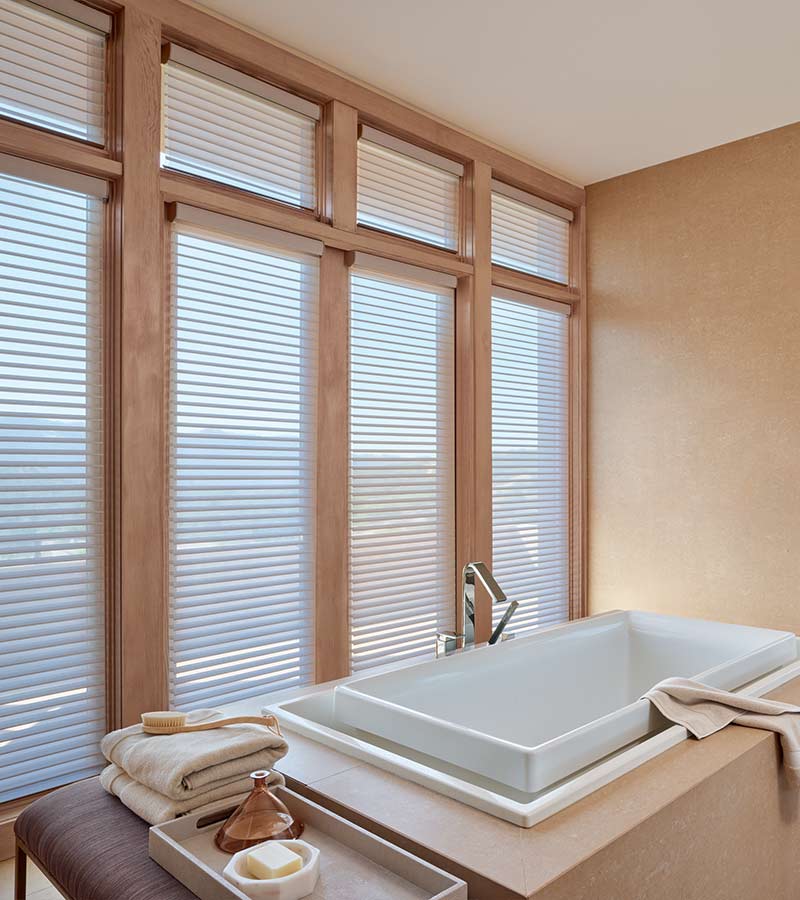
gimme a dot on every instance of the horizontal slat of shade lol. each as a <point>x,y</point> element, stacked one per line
<point>402,556</point>
<point>530,461</point>
<point>406,196</point>
<point>529,240</point>
<point>217,131</point>
<point>52,71</point>
<point>242,474</point>
<point>52,661</point>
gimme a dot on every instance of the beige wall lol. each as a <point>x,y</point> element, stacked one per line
<point>694,463</point>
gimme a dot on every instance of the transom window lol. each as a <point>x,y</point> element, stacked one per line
<point>52,67</point>
<point>407,190</point>
<point>529,234</point>
<point>226,126</point>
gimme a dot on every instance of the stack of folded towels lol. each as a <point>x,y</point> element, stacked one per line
<point>163,776</point>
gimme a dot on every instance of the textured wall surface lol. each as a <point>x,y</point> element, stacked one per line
<point>694,281</point>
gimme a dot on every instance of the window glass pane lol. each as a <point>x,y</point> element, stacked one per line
<point>530,461</point>
<point>529,239</point>
<point>52,704</point>
<point>406,196</point>
<point>402,542</point>
<point>242,468</point>
<point>52,71</point>
<point>217,131</point>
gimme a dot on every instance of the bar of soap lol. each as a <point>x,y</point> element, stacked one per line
<point>273,860</point>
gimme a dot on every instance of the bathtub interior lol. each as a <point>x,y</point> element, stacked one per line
<point>548,684</point>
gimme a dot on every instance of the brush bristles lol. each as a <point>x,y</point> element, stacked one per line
<point>161,722</point>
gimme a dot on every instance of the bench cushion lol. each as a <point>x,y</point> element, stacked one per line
<point>93,847</point>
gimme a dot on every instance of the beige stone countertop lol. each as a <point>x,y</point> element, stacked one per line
<point>633,825</point>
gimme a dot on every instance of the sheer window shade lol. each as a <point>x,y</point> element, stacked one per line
<point>529,234</point>
<point>222,125</point>
<point>52,658</point>
<point>413,193</point>
<point>530,459</point>
<point>402,554</point>
<point>244,320</point>
<point>52,68</point>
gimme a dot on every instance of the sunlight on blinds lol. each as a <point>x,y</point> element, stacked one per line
<point>52,663</point>
<point>402,554</point>
<point>242,468</point>
<point>530,461</point>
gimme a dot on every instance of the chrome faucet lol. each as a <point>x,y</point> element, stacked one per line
<point>448,641</point>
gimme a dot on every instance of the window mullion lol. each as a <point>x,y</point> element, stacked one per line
<point>480,242</point>
<point>332,610</point>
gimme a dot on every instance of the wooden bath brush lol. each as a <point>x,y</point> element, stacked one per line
<point>175,723</point>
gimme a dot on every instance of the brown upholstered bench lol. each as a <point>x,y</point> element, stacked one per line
<point>91,847</point>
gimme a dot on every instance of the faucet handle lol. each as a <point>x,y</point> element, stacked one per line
<point>447,642</point>
<point>499,632</point>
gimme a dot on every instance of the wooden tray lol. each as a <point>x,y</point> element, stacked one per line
<point>354,864</point>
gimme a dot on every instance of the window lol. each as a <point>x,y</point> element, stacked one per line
<point>244,313</point>
<point>529,234</point>
<point>530,457</point>
<point>191,457</point>
<point>52,67</point>
<point>402,543</point>
<point>226,126</point>
<point>52,657</point>
<point>407,190</point>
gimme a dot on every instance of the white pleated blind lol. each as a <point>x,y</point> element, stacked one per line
<point>408,196</point>
<point>218,130</point>
<point>530,461</point>
<point>402,554</point>
<point>52,70</point>
<point>242,467</point>
<point>528,238</point>
<point>52,664</point>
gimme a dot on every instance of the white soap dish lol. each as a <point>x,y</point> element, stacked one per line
<point>288,887</point>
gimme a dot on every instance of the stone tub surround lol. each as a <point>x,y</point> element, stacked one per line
<point>710,820</point>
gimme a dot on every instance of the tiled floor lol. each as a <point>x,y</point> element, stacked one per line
<point>39,888</point>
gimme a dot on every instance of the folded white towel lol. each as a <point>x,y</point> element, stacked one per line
<point>184,766</point>
<point>156,808</point>
<point>704,710</point>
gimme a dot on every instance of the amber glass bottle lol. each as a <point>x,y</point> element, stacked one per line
<point>260,817</point>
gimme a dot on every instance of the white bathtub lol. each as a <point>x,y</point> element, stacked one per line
<point>525,728</point>
<point>533,711</point>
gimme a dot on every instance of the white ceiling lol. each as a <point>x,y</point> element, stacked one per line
<point>586,88</point>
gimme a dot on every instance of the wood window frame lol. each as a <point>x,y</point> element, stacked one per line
<point>136,317</point>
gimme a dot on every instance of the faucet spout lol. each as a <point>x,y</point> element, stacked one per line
<point>447,642</point>
<point>486,579</point>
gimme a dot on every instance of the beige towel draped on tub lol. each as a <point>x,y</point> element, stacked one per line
<point>703,710</point>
